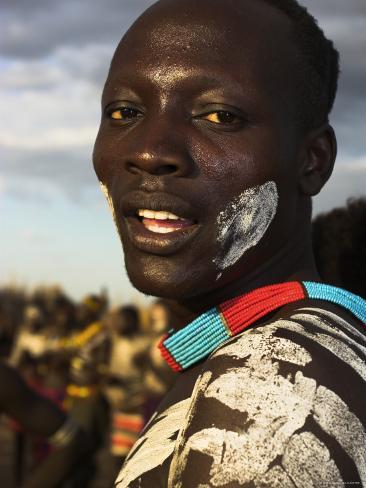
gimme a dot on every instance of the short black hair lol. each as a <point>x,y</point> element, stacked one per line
<point>317,65</point>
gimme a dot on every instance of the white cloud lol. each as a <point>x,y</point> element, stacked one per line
<point>51,104</point>
<point>355,165</point>
<point>54,138</point>
<point>20,75</point>
<point>34,29</point>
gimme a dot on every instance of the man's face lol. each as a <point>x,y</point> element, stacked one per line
<point>198,122</point>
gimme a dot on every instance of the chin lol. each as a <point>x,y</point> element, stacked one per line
<point>163,277</point>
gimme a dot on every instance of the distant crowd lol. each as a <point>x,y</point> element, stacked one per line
<point>99,364</point>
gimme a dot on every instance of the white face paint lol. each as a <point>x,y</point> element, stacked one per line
<point>243,223</point>
<point>109,200</point>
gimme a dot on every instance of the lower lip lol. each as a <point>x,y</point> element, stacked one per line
<point>159,244</point>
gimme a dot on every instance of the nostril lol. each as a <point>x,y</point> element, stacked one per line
<point>132,168</point>
<point>165,169</point>
<point>160,170</point>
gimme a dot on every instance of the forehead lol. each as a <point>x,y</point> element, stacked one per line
<point>239,38</point>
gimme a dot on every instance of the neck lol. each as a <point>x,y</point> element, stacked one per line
<point>293,261</point>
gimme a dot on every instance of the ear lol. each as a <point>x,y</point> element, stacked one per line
<point>318,157</point>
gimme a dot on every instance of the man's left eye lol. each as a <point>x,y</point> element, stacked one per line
<point>222,117</point>
<point>124,114</point>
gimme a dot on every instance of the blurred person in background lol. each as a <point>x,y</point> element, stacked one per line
<point>28,348</point>
<point>124,384</point>
<point>61,323</point>
<point>158,377</point>
<point>40,417</point>
<point>46,318</point>
<point>30,339</point>
<point>53,364</point>
<point>87,350</point>
<point>12,303</point>
<point>339,243</point>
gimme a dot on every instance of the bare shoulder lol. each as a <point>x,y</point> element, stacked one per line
<point>279,405</point>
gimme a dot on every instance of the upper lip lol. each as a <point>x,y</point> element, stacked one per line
<point>159,201</point>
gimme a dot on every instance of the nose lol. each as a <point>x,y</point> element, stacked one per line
<point>158,148</point>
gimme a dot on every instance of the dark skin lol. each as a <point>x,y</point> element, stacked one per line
<point>200,105</point>
<point>192,117</point>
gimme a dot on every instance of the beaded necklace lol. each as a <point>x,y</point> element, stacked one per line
<point>203,335</point>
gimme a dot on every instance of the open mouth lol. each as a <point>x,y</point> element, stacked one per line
<point>163,222</point>
<point>159,223</point>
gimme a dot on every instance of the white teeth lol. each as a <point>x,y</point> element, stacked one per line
<point>159,230</point>
<point>150,214</point>
<point>161,215</point>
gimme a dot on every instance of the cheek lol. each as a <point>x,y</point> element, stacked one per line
<point>243,223</point>
<point>105,155</point>
<point>98,156</point>
<point>220,158</point>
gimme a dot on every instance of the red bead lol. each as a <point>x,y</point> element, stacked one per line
<point>243,311</point>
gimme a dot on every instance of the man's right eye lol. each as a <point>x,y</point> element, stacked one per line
<point>124,114</point>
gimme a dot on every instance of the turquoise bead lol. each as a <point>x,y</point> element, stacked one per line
<point>353,303</point>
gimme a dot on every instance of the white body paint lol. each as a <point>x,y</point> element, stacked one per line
<point>176,467</point>
<point>243,223</point>
<point>335,418</point>
<point>155,446</point>
<point>338,348</point>
<point>308,462</point>
<point>320,322</point>
<point>275,407</point>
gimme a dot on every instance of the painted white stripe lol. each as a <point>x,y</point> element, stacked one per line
<point>337,320</point>
<point>333,345</point>
<point>155,446</point>
<point>276,477</point>
<point>262,342</point>
<point>335,418</point>
<point>307,460</point>
<point>179,462</point>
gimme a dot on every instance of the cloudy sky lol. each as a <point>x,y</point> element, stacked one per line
<point>55,226</point>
